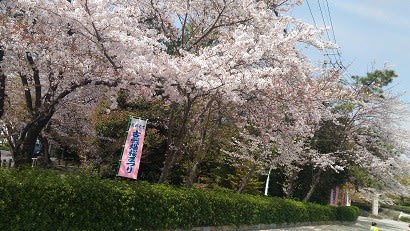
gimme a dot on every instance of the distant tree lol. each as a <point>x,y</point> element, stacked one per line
<point>332,144</point>
<point>374,82</point>
<point>365,137</point>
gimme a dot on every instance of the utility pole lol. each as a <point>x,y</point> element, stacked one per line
<point>267,182</point>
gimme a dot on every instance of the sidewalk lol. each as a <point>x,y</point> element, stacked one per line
<point>362,224</point>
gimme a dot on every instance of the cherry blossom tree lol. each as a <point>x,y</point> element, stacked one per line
<point>186,50</point>
<point>367,133</point>
<point>234,50</point>
<point>375,122</point>
<point>51,62</point>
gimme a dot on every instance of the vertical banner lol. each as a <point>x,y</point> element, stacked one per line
<point>334,194</point>
<point>131,155</point>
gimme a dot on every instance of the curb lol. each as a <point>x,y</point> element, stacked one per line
<point>263,226</point>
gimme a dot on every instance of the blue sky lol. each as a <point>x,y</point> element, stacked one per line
<point>370,33</point>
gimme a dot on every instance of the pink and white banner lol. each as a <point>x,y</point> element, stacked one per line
<point>131,155</point>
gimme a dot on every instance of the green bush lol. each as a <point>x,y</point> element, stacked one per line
<point>46,200</point>
<point>320,213</point>
<point>349,213</point>
<point>405,219</point>
<point>363,205</point>
<point>405,209</point>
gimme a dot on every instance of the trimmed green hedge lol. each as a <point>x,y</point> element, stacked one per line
<point>46,200</point>
<point>405,209</point>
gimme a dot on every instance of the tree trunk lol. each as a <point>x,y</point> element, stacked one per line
<point>173,152</point>
<point>192,174</point>
<point>193,171</point>
<point>315,182</point>
<point>168,158</point>
<point>24,154</point>
<point>2,83</point>
<point>290,181</point>
<point>245,180</point>
<point>25,145</point>
<point>168,164</point>
<point>201,152</point>
<point>45,157</point>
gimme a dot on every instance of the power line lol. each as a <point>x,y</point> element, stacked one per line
<point>331,21</point>
<point>311,13</point>
<point>317,27</point>
<point>332,56</point>
<point>323,19</point>
<point>333,33</point>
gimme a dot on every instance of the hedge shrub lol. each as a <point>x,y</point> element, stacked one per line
<point>344,213</point>
<point>405,209</point>
<point>46,200</point>
<point>404,219</point>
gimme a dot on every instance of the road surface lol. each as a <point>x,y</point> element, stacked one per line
<point>362,224</point>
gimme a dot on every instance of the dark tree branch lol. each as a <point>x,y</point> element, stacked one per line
<point>2,83</point>
<point>36,77</point>
<point>72,88</point>
<point>27,93</point>
<point>106,83</point>
<point>160,18</point>
<point>215,25</point>
<point>53,87</point>
<point>100,40</point>
<point>184,26</point>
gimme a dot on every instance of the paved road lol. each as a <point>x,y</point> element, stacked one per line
<point>362,224</point>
